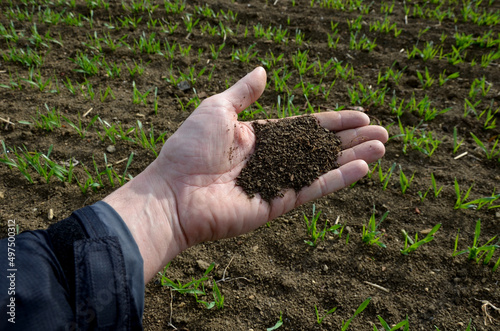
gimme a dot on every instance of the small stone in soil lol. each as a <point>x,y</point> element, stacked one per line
<point>289,154</point>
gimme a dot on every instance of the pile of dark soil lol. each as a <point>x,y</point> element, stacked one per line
<point>289,154</point>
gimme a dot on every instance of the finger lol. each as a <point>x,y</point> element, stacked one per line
<point>369,152</point>
<point>247,90</point>
<point>333,181</point>
<point>342,120</point>
<point>353,137</point>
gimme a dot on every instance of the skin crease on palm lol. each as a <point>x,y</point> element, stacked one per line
<point>189,195</point>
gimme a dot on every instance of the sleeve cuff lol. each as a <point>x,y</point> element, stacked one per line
<point>134,264</point>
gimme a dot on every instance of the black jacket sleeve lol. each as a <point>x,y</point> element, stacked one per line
<point>83,273</point>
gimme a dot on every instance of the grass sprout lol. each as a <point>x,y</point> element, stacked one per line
<point>490,153</point>
<point>312,228</point>
<point>278,324</point>
<point>370,235</point>
<point>409,248</point>
<point>320,319</point>
<point>385,177</point>
<point>456,143</point>
<point>476,252</point>
<point>474,204</point>
<point>364,304</point>
<point>405,324</point>
<point>404,181</point>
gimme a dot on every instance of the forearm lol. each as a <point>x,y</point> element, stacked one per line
<point>150,216</point>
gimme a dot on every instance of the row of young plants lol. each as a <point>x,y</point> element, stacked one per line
<point>361,93</point>
<point>29,162</point>
<point>370,235</point>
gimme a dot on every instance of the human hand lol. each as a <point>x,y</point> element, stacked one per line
<point>201,161</point>
<point>189,194</point>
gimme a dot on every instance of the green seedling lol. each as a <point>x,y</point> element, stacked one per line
<point>490,117</point>
<point>422,196</point>
<point>69,86</point>
<point>191,76</point>
<point>475,204</point>
<point>345,325</point>
<point>469,107</point>
<point>366,95</point>
<point>405,324</point>
<point>270,60</point>
<point>250,113</point>
<point>456,143</point>
<point>136,70</point>
<point>82,131</point>
<point>434,186</point>
<point>112,70</point>
<point>477,252</point>
<point>107,92</point>
<point>320,319</point>
<point>46,122</point>
<point>370,235</point>
<point>155,101</point>
<point>195,287</point>
<point>479,86</point>
<point>426,80</point>
<point>148,45</point>
<point>243,55</point>
<point>385,26</point>
<point>490,153</point>
<point>122,179</point>
<point>148,141</point>
<point>390,73</point>
<point>287,108</point>
<point>486,59</point>
<point>420,140</point>
<point>174,7</point>
<point>87,90</point>
<point>409,248</point>
<point>385,177</point>
<point>362,44</point>
<point>130,22</point>
<point>192,287</point>
<point>36,80</point>
<point>460,203</point>
<point>216,51</point>
<point>87,66</point>
<point>278,324</point>
<point>443,78</point>
<point>299,60</point>
<point>404,181</point>
<point>280,77</point>
<point>114,131</point>
<point>138,97</point>
<point>312,228</point>
<point>456,56</point>
<point>218,297</point>
<point>20,163</point>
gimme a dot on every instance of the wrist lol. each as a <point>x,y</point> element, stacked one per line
<point>150,212</point>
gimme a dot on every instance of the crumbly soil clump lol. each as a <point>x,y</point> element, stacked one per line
<point>289,154</point>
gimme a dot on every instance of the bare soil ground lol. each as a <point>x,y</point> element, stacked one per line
<point>271,270</point>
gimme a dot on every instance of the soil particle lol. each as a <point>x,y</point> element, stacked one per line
<point>289,154</point>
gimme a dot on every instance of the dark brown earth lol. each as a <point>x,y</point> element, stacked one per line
<point>289,154</point>
<point>281,272</point>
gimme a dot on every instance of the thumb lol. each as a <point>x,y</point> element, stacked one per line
<point>247,90</point>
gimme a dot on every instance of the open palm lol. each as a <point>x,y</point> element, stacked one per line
<point>201,161</point>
